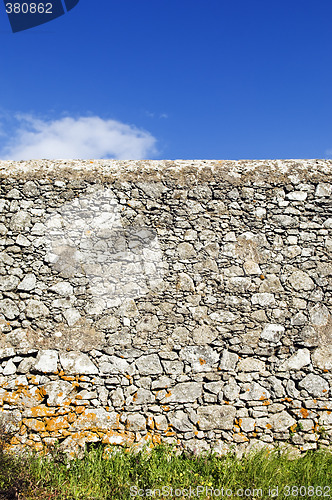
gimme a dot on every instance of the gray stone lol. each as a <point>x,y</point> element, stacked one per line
<point>57,392</point>
<point>36,309</point>
<point>185,283</point>
<point>281,422</point>
<point>231,390</point>
<point>215,417</point>
<point>204,334</point>
<point>74,362</point>
<point>136,422</point>
<point>228,360</point>
<point>254,392</point>
<point>201,359</point>
<point>301,281</point>
<point>186,392</point>
<point>9,308</point>
<point>186,251</point>
<point>251,365</point>
<point>28,283</point>
<point>72,316</point>
<point>20,221</point>
<point>113,365</point>
<point>322,357</point>
<point>149,365</point>
<point>297,361</point>
<point>8,283</point>
<point>319,315</point>
<point>9,368</point>
<point>323,189</point>
<point>315,385</point>
<point>263,299</point>
<point>173,367</point>
<point>62,288</point>
<point>180,422</point>
<point>108,322</point>
<point>272,332</point>
<point>47,361</point>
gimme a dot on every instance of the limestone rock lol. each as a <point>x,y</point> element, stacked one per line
<point>215,417</point>
<point>74,362</point>
<point>47,361</point>
<point>297,361</point>
<point>315,385</point>
<point>149,365</point>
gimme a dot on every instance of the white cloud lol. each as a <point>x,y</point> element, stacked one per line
<point>77,138</point>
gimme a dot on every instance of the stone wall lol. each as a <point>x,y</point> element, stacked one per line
<point>183,301</point>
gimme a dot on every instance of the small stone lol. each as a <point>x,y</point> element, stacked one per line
<point>281,422</point>
<point>251,267</point>
<point>322,357</point>
<point>255,392</point>
<point>185,283</point>
<point>301,281</point>
<point>263,299</point>
<point>62,288</point>
<point>201,359</point>
<point>323,189</point>
<point>179,420</point>
<point>74,362</point>
<point>315,385</point>
<point>297,361</point>
<point>36,309</point>
<point>72,316</point>
<point>9,368</point>
<point>186,392</point>
<point>251,365</point>
<point>8,283</point>
<point>272,332</point>
<point>215,417</point>
<point>136,422</point>
<point>319,315</point>
<point>20,221</point>
<point>228,360</point>
<point>28,283</point>
<point>9,308</point>
<point>47,361</point>
<point>149,365</point>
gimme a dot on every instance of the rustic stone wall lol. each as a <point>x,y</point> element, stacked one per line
<point>182,301</point>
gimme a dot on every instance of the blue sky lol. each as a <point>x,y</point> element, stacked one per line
<point>170,79</point>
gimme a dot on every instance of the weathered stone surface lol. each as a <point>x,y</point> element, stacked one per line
<point>263,299</point>
<point>28,283</point>
<point>254,392</point>
<point>215,417</point>
<point>113,364</point>
<point>57,392</point>
<point>62,288</point>
<point>36,309</point>
<point>47,361</point>
<point>297,361</point>
<point>272,332</point>
<point>315,385</point>
<point>301,281</point>
<point>95,419</point>
<point>228,360</point>
<point>9,308</point>
<point>149,365</point>
<point>201,359</point>
<point>186,392</point>
<point>76,362</point>
<point>179,421</point>
<point>281,422</point>
<point>204,335</point>
<point>8,283</point>
<point>251,365</point>
<point>322,358</point>
<point>20,221</point>
<point>319,315</point>
<point>136,422</point>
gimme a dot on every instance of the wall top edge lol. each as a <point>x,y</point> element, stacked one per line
<point>179,171</point>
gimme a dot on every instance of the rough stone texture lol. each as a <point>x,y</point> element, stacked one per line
<point>188,301</point>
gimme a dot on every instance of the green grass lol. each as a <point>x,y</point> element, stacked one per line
<point>95,477</point>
